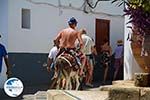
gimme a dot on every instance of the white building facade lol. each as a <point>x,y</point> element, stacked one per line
<point>29,27</point>
<point>130,64</point>
<point>47,18</point>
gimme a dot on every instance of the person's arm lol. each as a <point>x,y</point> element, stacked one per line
<point>49,62</point>
<point>5,55</point>
<point>92,46</point>
<point>58,37</point>
<point>8,72</point>
<point>80,40</point>
<point>94,51</point>
<point>110,50</point>
<point>83,61</point>
<point>122,58</point>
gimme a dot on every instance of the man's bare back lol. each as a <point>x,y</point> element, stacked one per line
<point>68,37</point>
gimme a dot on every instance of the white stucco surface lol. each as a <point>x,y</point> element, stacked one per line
<point>47,21</point>
<point>130,65</point>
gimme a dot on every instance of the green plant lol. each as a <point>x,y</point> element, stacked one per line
<point>138,12</point>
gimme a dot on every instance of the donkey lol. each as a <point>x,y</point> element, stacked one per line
<point>66,69</point>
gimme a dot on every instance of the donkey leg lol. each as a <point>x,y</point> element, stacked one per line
<point>72,74</point>
<point>58,83</point>
<point>67,82</point>
<point>53,83</point>
<point>77,81</point>
<point>63,83</point>
<point>59,80</point>
<point>70,84</point>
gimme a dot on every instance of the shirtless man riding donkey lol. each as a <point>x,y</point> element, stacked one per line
<point>66,59</point>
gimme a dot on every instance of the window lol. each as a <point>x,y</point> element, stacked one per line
<point>26,18</point>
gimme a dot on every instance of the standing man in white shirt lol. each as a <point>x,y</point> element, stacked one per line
<point>50,62</point>
<point>52,55</point>
<point>87,50</point>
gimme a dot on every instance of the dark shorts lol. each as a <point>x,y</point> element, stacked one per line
<point>90,58</point>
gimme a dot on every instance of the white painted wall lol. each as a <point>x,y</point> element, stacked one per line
<point>102,6</point>
<point>109,8</point>
<point>130,64</point>
<point>4,33</point>
<point>47,21</point>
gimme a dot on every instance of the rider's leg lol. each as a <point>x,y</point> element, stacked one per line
<point>117,66</point>
<point>60,52</point>
<point>105,73</point>
<point>90,72</point>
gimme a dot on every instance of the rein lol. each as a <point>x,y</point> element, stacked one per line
<point>65,60</point>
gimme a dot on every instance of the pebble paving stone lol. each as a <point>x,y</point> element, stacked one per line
<point>120,93</point>
<point>145,94</point>
<point>126,90</point>
<point>121,84</point>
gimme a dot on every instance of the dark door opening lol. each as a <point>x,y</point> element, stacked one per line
<point>102,32</point>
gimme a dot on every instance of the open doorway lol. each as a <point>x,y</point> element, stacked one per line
<point>102,32</point>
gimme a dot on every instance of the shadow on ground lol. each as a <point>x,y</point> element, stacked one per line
<point>27,90</point>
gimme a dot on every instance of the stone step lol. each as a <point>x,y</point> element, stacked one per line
<point>120,83</point>
<point>77,95</point>
<point>40,95</point>
<point>119,90</point>
<point>58,95</point>
<point>126,90</point>
<point>29,97</point>
<point>123,82</point>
